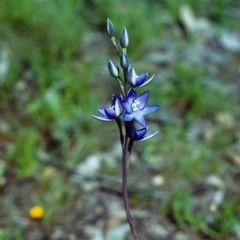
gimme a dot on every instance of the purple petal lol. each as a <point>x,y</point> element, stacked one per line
<point>143,98</point>
<point>139,134</point>
<point>102,118</point>
<point>127,106</point>
<point>147,82</point>
<point>150,109</point>
<point>148,137</point>
<point>127,117</point>
<point>110,113</point>
<point>131,95</point>
<point>118,107</point>
<point>102,111</point>
<point>139,118</point>
<point>140,79</point>
<point>131,76</point>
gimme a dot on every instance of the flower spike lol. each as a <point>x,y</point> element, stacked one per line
<point>128,110</point>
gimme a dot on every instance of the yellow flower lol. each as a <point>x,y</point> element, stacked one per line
<point>36,212</point>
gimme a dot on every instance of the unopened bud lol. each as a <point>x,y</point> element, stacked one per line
<point>113,69</point>
<point>124,61</point>
<point>110,28</point>
<point>124,41</point>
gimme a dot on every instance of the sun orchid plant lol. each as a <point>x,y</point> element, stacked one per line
<point>128,108</point>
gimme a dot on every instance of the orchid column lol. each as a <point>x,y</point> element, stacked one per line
<point>127,109</point>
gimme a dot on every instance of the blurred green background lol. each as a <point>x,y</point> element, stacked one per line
<point>53,76</point>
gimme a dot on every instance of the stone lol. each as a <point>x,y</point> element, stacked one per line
<point>229,41</point>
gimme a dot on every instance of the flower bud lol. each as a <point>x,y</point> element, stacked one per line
<point>110,28</point>
<point>131,76</point>
<point>113,69</point>
<point>124,62</point>
<point>124,41</point>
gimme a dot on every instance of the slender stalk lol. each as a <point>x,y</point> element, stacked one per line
<point>125,159</point>
<point>119,123</point>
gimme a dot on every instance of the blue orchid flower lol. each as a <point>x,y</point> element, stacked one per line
<point>139,134</point>
<point>112,113</point>
<point>137,81</point>
<point>135,107</point>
